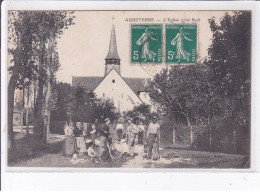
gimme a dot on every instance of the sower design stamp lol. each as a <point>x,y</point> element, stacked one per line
<point>181,43</point>
<point>146,44</point>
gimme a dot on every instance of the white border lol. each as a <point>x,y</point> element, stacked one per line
<point>163,178</point>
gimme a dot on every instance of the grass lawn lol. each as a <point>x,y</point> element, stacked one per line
<point>49,157</point>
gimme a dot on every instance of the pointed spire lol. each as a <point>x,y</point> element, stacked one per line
<point>112,53</point>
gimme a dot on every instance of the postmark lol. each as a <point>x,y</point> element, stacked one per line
<point>146,44</point>
<point>181,44</point>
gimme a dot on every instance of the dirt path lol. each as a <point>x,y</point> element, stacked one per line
<point>139,162</point>
<point>172,158</point>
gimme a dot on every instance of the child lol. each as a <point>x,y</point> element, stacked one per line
<point>75,160</point>
<point>92,155</point>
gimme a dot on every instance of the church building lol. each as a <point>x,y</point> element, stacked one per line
<point>124,92</point>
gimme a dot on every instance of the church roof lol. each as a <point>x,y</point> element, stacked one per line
<point>112,52</point>
<point>88,82</point>
<point>137,84</point>
<point>91,82</point>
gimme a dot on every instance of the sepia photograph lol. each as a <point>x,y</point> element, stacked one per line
<point>129,89</point>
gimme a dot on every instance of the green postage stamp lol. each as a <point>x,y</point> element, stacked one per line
<point>181,43</point>
<point>146,44</point>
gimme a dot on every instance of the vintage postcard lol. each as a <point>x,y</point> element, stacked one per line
<point>161,89</point>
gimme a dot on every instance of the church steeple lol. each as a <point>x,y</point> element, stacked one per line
<point>112,59</point>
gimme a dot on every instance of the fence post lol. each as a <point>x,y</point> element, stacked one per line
<point>210,138</point>
<point>191,136</point>
<point>234,140</point>
<point>173,136</point>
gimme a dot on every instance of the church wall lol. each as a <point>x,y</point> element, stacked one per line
<point>113,87</point>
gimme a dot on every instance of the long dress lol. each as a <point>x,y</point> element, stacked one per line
<point>132,131</point>
<point>182,54</point>
<point>147,53</point>
<point>81,145</point>
<point>119,131</point>
<point>69,143</point>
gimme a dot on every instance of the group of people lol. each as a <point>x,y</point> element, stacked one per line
<point>149,136</point>
<point>82,138</point>
<point>75,140</point>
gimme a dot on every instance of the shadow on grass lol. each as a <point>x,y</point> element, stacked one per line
<point>24,150</point>
<point>51,156</point>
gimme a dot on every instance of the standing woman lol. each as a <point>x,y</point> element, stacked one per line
<point>81,145</point>
<point>119,129</point>
<point>85,130</point>
<point>131,131</point>
<point>93,132</point>
<point>69,144</point>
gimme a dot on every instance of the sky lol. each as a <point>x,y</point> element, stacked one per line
<point>83,47</point>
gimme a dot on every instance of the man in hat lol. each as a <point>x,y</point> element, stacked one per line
<point>131,131</point>
<point>153,135</point>
<point>104,137</point>
<point>104,129</point>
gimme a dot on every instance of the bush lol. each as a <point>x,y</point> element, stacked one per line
<point>201,138</point>
<point>223,137</point>
<point>182,132</point>
<point>57,127</point>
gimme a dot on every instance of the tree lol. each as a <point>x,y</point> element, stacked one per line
<point>183,92</point>
<point>51,25</point>
<point>186,95</point>
<point>63,93</point>
<point>76,104</point>
<point>30,32</point>
<point>140,112</point>
<point>22,41</point>
<point>230,61</point>
<point>85,107</point>
<point>102,109</point>
<point>27,107</point>
<point>214,90</point>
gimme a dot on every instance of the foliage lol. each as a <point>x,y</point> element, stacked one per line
<point>62,91</point>
<point>141,112</point>
<point>76,104</point>
<point>27,31</point>
<point>21,37</point>
<point>32,60</point>
<point>230,59</point>
<point>183,92</point>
